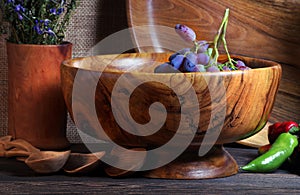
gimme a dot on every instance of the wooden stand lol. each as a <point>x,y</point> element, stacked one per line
<point>217,163</point>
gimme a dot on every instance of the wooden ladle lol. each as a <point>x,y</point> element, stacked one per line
<point>21,144</point>
<point>49,161</point>
<point>39,161</point>
<point>15,148</point>
<point>79,163</point>
<point>3,141</point>
<point>124,158</point>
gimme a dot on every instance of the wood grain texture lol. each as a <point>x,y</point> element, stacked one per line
<point>241,90</point>
<point>47,162</point>
<point>287,104</point>
<point>221,112</point>
<point>262,29</point>
<point>37,111</point>
<point>217,163</point>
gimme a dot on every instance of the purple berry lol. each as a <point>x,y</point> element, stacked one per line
<point>202,58</point>
<point>184,51</point>
<point>213,69</point>
<point>166,68</point>
<point>189,66</point>
<point>192,57</point>
<point>240,63</point>
<point>177,61</point>
<point>185,33</point>
<point>203,46</point>
<point>201,68</point>
<point>244,68</point>
<point>173,56</point>
<point>226,68</point>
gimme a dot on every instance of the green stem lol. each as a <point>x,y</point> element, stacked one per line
<point>217,37</point>
<point>15,35</point>
<point>196,47</point>
<point>225,44</point>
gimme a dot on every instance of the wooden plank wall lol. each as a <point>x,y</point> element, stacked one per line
<point>267,29</point>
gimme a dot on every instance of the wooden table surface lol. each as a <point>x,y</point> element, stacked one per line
<point>17,178</point>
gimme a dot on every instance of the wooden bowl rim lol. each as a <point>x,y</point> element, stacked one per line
<point>71,63</point>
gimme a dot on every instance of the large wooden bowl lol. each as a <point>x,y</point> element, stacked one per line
<point>237,103</point>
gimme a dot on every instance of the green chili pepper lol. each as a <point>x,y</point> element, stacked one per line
<point>281,149</point>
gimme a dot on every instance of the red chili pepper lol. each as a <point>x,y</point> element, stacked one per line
<point>277,128</point>
<point>264,149</point>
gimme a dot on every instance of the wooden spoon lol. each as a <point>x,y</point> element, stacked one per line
<point>47,161</point>
<point>124,158</point>
<point>21,145</point>
<point>16,153</point>
<point>18,148</point>
<point>79,163</point>
<point>39,161</point>
<point>5,139</point>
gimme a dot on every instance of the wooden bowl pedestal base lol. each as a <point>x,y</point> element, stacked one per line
<point>216,163</point>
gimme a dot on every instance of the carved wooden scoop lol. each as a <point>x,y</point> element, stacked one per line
<point>39,161</point>
<point>19,148</point>
<point>3,141</point>
<point>82,163</point>
<point>15,148</point>
<point>47,161</point>
<point>130,161</point>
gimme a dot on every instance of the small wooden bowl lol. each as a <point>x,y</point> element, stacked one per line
<point>244,99</point>
<point>46,162</point>
<point>80,163</point>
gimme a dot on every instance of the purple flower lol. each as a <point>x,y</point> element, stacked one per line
<point>50,32</point>
<point>38,29</point>
<point>60,10</point>
<point>35,21</point>
<point>19,8</point>
<point>46,22</point>
<point>10,1</point>
<point>20,16</point>
<point>53,11</point>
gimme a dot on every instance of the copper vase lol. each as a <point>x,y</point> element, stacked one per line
<point>36,108</point>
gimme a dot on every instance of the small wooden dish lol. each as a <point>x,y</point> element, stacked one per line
<point>47,161</point>
<point>79,163</point>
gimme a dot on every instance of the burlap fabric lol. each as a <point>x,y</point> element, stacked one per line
<point>93,21</point>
